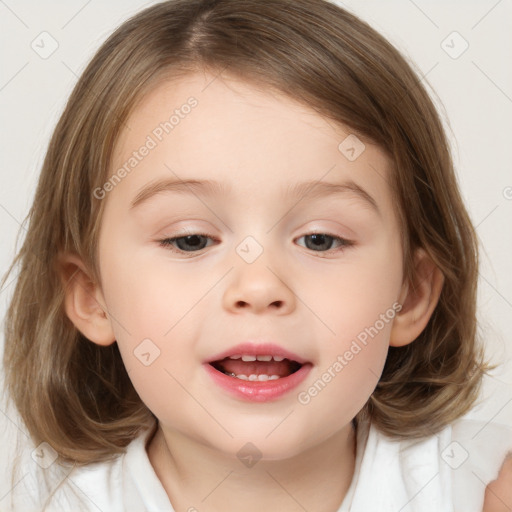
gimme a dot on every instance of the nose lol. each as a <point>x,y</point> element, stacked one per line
<point>258,288</point>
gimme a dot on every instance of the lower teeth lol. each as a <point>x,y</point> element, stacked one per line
<point>261,378</point>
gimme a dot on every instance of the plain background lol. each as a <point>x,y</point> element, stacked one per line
<point>472,91</point>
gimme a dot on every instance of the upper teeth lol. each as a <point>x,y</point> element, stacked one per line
<point>259,358</point>
<point>253,377</point>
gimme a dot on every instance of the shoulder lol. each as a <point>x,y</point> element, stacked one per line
<point>85,488</point>
<point>454,469</point>
<point>33,478</point>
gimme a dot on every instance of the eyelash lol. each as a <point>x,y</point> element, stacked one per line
<point>167,243</point>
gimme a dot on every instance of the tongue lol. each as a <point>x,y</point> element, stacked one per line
<point>239,367</point>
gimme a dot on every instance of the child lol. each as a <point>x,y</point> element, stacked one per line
<point>314,347</point>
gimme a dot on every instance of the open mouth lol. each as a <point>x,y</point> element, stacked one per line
<point>256,367</point>
<point>257,373</point>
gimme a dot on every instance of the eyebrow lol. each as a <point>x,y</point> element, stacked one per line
<point>201,187</point>
<point>307,190</point>
<point>318,189</point>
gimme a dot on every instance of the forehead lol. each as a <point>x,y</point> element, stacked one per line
<point>244,136</point>
<point>226,109</point>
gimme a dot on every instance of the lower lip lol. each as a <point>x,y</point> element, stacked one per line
<point>259,391</point>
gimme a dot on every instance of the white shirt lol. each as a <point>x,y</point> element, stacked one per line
<point>444,472</point>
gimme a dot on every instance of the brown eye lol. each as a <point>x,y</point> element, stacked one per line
<point>321,242</point>
<point>188,243</point>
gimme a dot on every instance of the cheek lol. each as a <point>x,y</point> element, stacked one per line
<point>348,372</point>
<point>144,297</point>
<point>358,309</point>
<point>150,313</point>
<point>354,297</point>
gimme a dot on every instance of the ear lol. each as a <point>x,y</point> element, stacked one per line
<point>418,300</point>
<point>84,301</point>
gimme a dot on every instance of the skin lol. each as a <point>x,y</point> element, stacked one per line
<point>195,305</point>
<point>498,494</point>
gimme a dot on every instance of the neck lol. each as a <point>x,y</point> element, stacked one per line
<point>193,474</point>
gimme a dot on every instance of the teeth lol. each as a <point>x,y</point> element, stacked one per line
<point>261,378</point>
<point>253,377</point>
<point>258,358</point>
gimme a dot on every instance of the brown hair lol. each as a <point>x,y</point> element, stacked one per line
<point>77,395</point>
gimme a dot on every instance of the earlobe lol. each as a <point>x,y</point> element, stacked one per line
<point>83,301</point>
<point>418,300</point>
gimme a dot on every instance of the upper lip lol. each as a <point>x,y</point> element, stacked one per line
<point>258,349</point>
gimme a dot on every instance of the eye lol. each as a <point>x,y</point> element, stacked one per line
<point>195,242</point>
<point>321,242</point>
<point>186,243</point>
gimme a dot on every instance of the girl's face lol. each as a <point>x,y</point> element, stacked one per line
<point>240,223</point>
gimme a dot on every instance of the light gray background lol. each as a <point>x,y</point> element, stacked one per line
<point>472,91</point>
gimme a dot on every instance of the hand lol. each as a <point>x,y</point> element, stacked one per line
<point>498,494</point>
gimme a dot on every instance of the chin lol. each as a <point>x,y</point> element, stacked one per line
<point>256,443</point>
